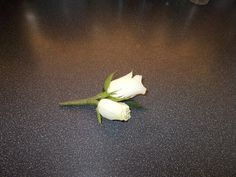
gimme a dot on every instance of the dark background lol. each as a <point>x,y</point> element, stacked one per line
<point>57,50</point>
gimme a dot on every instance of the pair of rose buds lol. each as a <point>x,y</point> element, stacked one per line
<point>109,102</point>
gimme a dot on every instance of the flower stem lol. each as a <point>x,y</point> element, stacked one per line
<point>87,101</point>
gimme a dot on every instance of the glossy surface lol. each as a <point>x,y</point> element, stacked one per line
<point>51,51</point>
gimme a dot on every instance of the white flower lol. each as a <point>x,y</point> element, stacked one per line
<point>113,110</point>
<point>127,86</point>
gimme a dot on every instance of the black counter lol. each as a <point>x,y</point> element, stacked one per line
<point>53,51</point>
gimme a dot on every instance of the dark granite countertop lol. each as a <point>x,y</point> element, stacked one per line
<point>52,51</point>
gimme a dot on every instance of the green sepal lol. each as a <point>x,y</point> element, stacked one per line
<point>133,104</point>
<point>99,116</point>
<point>117,99</point>
<point>101,95</point>
<point>108,81</point>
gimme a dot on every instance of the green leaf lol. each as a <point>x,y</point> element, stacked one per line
<point>133,104</point>
<point>108,81</point>
<point>99,116</point>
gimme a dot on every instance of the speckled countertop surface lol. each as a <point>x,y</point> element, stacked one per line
<point>54,51</point>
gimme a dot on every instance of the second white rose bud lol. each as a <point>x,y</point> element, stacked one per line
<point>113,110</point>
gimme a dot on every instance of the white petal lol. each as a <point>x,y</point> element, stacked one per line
<point>128,76</point>
<point>138,78</point>
<point>143,90</point>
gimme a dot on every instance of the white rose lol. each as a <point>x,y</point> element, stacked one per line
<point>127,86</point>
<point>113,110</point>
